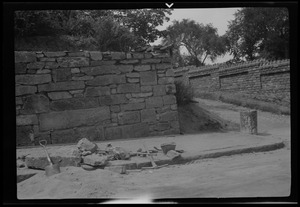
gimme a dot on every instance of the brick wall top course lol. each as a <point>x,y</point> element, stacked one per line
<point>230,68</point>
<point>204,70</point>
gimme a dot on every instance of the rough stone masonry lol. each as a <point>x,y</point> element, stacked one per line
<point>65,96</point>
<point>260,79</point>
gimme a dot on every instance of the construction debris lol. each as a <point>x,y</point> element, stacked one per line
<point>95,160</point>
<point>85,145</point>
<point>154,166</point>
<point>168,146</point>
<point>85,153</point>
<point>118,169</point>
<point>117,153</point>
<point>173,154</point>
<point>76,153</point>
<point>20,163</point>
<point>92,157</point>
<point>88,167</point>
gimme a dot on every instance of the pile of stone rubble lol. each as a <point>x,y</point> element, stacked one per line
<point>89,153</point>
<point>90,156</point>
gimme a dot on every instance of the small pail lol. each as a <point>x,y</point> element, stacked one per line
<point>167,147</point>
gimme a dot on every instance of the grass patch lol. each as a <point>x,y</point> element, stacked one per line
<point>243,101</point>
<point>210,96</point>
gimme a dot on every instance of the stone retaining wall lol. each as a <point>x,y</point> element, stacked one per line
<point>65,96</point>
<point>261,80</point>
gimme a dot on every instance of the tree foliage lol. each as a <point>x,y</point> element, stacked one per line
<point>143,23</point>
<point>116,30</point>
<point>259,33</point>
<point>110,35</point>
<point>201,41</point>
<point>33,23</point>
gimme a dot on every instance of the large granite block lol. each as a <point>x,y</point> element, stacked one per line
<point>97,91</point>
<point>148,78</point>
<point>74,103</point>
<point>135,130</point>
<point>33,79</point>
<point>22,90</point>
<point>113,99</point>
<point>107,80</point>
<point>74,118</point>
<point>153,102</point>
<point>35,104</point>
<point>128,88</point>
<point>70,85</point>
<point>66,62</point>
<point>129,117</point>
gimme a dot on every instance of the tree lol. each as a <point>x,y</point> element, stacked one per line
<point>259,33</point>
<point>52,22</point>
<point>32,23</point>
<point>135,28</point>
<point>110,35</point>
<point>201,41</point>
<point>142,23</point>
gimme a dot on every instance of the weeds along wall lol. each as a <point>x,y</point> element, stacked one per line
<point>65,96</point>
<point>261,80</point>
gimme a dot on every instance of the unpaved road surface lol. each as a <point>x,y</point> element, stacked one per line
<point>269,124</point>
<point>248,175</point>
<point>264,174</point>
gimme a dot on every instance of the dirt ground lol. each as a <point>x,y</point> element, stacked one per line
<point>194,118</point>
<point>263,174</point>
<point>248,175</point>
<point>269,124</point>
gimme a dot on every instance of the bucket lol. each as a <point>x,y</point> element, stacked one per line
<point>167,147</point>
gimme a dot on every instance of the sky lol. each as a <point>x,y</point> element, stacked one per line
<point>218,17</point>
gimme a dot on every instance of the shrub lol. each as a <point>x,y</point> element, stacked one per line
<point>184,93</point>
<point>204,95</point>
<point>231,99</point>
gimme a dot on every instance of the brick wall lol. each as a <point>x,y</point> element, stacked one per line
<point>65,96</point>
<point>262,80</point>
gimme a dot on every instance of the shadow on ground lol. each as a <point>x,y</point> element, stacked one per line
<point>263,134</point>
<point>195,119</point>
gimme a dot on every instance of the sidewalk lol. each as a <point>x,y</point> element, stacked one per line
<point>195,146</point>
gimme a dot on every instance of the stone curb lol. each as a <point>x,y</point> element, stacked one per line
<point>184,158</point>
<point>187,157</point>
<point>261,148</point>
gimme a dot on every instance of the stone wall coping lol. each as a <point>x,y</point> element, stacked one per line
<point>93,55</point>
<point>150,49</point>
